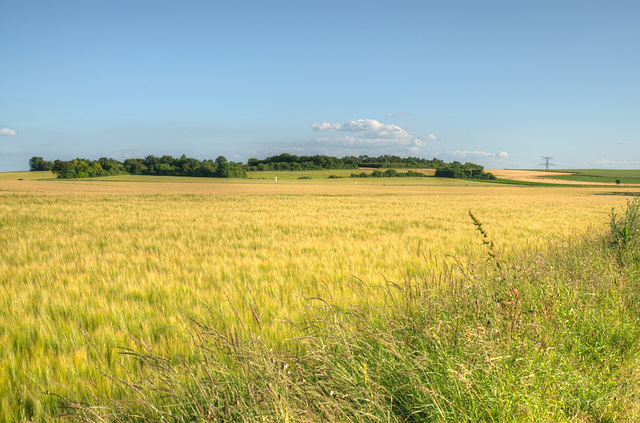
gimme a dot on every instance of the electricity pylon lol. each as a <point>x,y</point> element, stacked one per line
<point>546,163</point>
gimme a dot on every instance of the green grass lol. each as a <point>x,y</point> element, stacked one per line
<point>252,177</point>
<point>302,177</point>
<point>322,174</point>
<point>14,176</point>
<point>626,176</point>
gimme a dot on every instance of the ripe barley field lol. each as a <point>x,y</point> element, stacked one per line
<point>90,267</point>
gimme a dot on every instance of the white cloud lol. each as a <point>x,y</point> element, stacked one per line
<point>626,142</point>
<point>7,131</point>
<point>325,127</point>
<point>398,114</point>
<point>429,137</point>
<point>370,127</point>
<point>372,134</point>
<point>477,154</point>
<point>374,128</point>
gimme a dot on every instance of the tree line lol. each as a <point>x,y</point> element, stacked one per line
<point>389,173</point>
<point>150,165</point>
<point>222,168</point>
<point>287,161</point>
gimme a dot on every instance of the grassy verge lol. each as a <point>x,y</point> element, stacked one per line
<point>611,176</point>
<point>548,337</point>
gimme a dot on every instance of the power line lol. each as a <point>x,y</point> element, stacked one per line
<point>529,162</point>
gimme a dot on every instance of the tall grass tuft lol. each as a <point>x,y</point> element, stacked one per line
<point>624,234</point>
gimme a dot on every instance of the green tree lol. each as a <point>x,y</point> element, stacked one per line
<point>81,168</point>
<point>63,169</point>
<point>223,167</point>
<point>38,163</point>
<point>135,166</point>
<point>110,166</point>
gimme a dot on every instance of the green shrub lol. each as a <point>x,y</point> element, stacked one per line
<point>624,232</point>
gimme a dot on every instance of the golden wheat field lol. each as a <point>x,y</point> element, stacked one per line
<point>87,267</point>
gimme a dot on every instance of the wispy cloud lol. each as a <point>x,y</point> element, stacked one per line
<point>7,131</point>
<point>605,162</point>
<point>626,142</point>
<point>398,114</point>
<point>429,137</point>
<point>369,141</point>
<point>477,154</point>
<point>326,127</point>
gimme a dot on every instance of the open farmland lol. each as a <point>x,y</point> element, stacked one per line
<point>600,176</point>
<point>587,177</point>
<point>89,266</point>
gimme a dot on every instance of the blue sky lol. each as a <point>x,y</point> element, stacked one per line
<point>500,83</point>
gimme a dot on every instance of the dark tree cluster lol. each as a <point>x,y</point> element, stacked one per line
<point>389,173</point>
<point>319,162</point>
<point>458,170</point>
<point>287,161</point>
<point>38,163</point>
<point>85,168</point>
<point>396,162</point>
<point>185,166</point>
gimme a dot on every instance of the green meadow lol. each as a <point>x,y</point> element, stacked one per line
<point>612,176</point>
